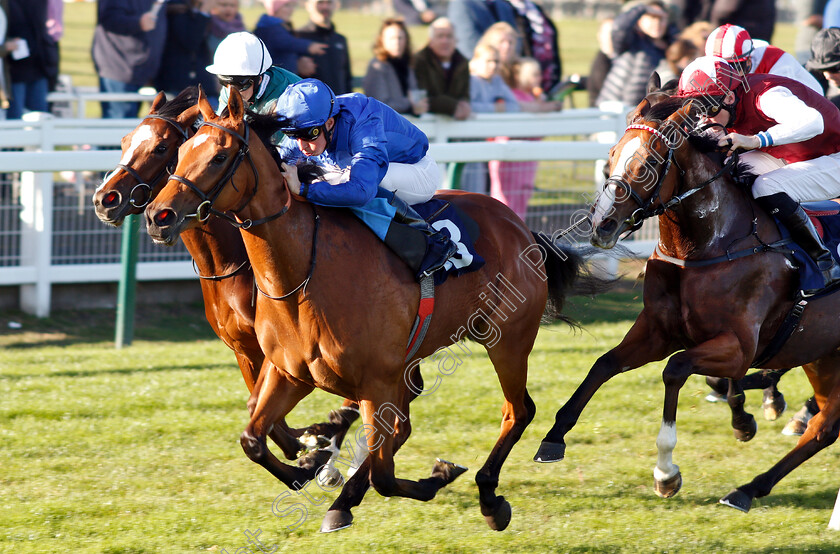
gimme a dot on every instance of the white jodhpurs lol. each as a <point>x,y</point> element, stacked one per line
<point>807,181</point>
<point>413,183</point>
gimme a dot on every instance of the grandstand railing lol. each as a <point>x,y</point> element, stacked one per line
<point>50,235</point>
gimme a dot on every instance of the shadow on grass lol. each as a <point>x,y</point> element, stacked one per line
<point>176,323</point>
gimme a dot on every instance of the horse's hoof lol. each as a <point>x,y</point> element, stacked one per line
<point>715,397</point>
<point>747,434</point>
<point>774,407</point>
<point>314,442</point>
<point>798,423</point>
<point>550,452</point>
<point>500,518</point>
<point>737,499</point>
<point>336,520</point>
<point>315,459</point>
<point>448,471</point>
<point>328,476</point>
<point>668,487</point>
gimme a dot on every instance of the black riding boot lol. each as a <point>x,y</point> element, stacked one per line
<point>803,232</point>
<point>407,215</point>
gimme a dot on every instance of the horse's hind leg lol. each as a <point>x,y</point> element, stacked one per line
<point>510,359</point>
<point>277,395</point>
<point>743,423</point>
<point>822,431</point>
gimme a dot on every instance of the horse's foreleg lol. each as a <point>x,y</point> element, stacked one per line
<point>277,396</point>
<point>743,424</point>
<point>721,357</point>
<point>642,344</point>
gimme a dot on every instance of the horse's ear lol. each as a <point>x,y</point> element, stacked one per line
<point>639,112</point>
<point>158,102</point>
<point>204,106</point>
<point>686,115</point>
<point>654,83</point>
<point>236,108</point>
<point>188,116</point>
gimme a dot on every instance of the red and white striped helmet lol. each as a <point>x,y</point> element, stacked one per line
<point>730,42</point>
<point>708,76</point>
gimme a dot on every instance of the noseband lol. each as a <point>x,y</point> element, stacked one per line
<point>646,208</point>
<point>205,209</point>
<point>141,185</point>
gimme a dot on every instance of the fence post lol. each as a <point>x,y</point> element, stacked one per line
<point>128,283</point>
<point>36,197</point>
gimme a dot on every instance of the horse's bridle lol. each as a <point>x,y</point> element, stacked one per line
<point>167,169</point>
<point>646,208</point>
<point>210,197</point>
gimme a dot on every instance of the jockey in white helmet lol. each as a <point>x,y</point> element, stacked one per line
<point>734,44</point>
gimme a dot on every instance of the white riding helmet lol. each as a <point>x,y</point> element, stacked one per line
<point>240,54</point>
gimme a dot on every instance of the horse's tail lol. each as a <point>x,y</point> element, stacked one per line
<point>567,273</point>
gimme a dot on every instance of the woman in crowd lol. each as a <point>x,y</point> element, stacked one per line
<point>390,77</point>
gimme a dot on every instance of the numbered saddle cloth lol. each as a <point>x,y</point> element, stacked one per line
<point>826,218</point>
<point>447,218</point>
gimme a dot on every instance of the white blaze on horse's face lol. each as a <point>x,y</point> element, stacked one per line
<point>198,140</point>
<point>141,135</point>
<point>604,207</point>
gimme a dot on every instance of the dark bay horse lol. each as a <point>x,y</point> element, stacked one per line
<point>713,319</point>
<point>336,307</point>
<point>149,154</point>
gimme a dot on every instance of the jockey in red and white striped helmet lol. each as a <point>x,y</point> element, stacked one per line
<point>791,136</point>
<point>734,44</point>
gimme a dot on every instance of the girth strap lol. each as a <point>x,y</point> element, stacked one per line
<point>728,257</point>
<point>789,325</point>
<point>424,316</point>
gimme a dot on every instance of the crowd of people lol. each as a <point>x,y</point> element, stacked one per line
<point>481,56</point>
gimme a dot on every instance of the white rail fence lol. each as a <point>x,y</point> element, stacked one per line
<point>33,251</point>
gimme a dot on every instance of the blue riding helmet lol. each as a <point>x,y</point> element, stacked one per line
<point>304,108</point>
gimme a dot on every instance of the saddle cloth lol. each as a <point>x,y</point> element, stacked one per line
<point>826,218</point>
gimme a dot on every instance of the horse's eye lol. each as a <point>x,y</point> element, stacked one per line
<point>160,149</point>
<point>219,159</point>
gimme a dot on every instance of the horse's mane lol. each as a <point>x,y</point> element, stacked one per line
<point>265,126</point>
<point>175,107</point>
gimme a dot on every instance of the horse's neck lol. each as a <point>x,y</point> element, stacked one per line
<point>216,247</point>
<point>280,249</point>
<point>707,222</point>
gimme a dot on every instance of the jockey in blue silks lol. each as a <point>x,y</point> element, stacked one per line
<point>375,160</point>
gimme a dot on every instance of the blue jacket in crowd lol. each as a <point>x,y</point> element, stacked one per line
<point>367,136</point>
<point>285,48</point>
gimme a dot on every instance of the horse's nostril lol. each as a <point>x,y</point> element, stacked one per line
<point>111,199</point>
<point>164,218</point>
<point>608,226</point>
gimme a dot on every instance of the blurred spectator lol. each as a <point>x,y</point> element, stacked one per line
<point>274,28</point>
<point>29,65</point>
<point>602,61</point>
<point>443,72</point>
<point>809,20</point>
<point>6,48</point>
<point>825,58</point>
<point>333,66</point>
<point>758,17</point>
<point>679,54</point>
<point>512,183</point>
<point>471,18</point>
<point>734,44</point>
<point>414,12</point>
<point>488,91</point>
<point>698,33</point>
<point>640,37</point>
<point>488,94</point>
<point>539,40</point>
<point>127,49</point>
<point>831,14</point>
<point>186,51</point>
<point>503,37</point>
<point>224,20</point>
<point>390,77</point>
<point>55,30</point>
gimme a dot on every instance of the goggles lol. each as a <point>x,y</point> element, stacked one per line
<point>240,82</point>
<point>308,134</point>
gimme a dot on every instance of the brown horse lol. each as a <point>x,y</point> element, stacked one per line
<point>336,307</point>
<point>149,154</point>
<point>717,315</point>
